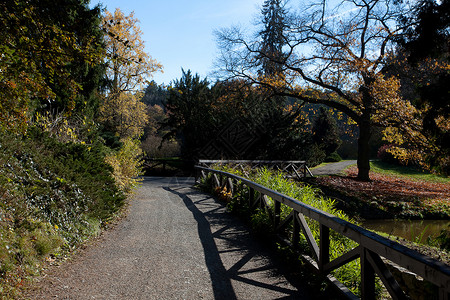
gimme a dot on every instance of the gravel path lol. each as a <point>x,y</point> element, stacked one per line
<point>175,243</point>
<point>333,168</point>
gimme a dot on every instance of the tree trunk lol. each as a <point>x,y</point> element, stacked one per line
<point>365,133</point>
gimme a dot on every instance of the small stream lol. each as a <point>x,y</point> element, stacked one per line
<point>413,230</point>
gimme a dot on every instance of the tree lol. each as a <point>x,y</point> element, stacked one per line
<point>272,37</point>
<point>325,132</point>
<point>422,66</point>
<point>334,56</point>
<point>189,109</point>
<point>125,115</point>
<point>128,65</point>
<point>49,55</point>
<point>154,94</point>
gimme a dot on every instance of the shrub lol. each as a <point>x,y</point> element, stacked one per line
<point>386,156</point>
<point>333,157</point>
<point>315,155</point>
<point>155,147</point>
<point>53,196</point>
<point>127,165</point>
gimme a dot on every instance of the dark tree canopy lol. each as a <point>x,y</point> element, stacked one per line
<point>426,45</point>
<point>51,57</point>
<point>189,113</point>
<point>325,132</point>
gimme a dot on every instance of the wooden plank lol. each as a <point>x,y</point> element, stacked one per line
<point>386,276</point>
<point>277,214</point>
<point>296,231</point>
<point>367,277</point>
<point>230,185</point>
<point>324,247</point>
<point>266,204</point>
<point>308,235</point>
<point>342,260</point>
<point>216,180</point>
<point>286,221</point>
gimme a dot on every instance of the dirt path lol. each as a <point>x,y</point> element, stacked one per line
<point>333,168</point>
<point>175,243</point>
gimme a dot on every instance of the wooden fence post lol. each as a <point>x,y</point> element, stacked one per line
<point>324,247</point>
<point>367,277</point>
<point>277,213</point>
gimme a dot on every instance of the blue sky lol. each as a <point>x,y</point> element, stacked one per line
<point>179,33</point>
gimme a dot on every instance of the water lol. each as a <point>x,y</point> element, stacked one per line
<point>413,230</point>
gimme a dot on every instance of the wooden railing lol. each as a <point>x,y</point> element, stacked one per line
<point>372,249</point>
<point>294,169</point>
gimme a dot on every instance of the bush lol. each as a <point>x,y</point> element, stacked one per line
<point>127,165</point>
<point>333,157</point>
<point>53,196</point>
<point>315,156</point>
<point>386,156</point>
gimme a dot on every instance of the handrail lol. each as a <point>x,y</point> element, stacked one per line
<point>372,247</point>
<point>293,168</point>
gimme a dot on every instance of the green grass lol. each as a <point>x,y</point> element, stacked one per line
<point>406,172</point>
<point>321,165</point>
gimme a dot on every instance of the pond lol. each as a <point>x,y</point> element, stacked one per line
<point>413,230</point>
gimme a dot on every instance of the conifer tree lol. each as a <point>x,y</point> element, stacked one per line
<point>325,132</point>
<point>272,36</point>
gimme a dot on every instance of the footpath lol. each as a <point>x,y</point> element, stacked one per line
<point>332,168</point>
<point>175,243</point>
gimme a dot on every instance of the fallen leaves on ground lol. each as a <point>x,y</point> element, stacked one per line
<point>417,198</point>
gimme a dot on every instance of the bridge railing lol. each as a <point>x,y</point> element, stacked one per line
<point>372,249</point>
<point>294,168</point>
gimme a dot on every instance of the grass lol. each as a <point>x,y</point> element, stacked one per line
<point>405,171</point>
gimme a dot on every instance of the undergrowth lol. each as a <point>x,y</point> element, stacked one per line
<point>54,195</point>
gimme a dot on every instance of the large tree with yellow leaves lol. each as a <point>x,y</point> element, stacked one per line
<point>128,65</point>
<point>128,69</point>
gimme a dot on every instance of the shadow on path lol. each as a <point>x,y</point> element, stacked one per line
<point>221,283</point>
<point>232,255</point>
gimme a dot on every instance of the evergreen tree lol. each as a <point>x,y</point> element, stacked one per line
<point>154,94</point>
<point>274,20</point>
<point>325,132</point>
<point>189,113</point>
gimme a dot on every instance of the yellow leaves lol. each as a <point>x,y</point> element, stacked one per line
<point>125,114</point>
<point>392,135</point>
<point>128,63</point>
<point>443,123</point>
<point>62,127</point>
<point>126,164</point>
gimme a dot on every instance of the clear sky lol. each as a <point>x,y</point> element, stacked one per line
<point>179,33</point>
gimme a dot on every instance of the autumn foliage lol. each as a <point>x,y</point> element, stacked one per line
<point>399,196</point>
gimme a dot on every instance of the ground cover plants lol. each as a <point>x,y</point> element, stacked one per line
<point>53,197</point>
<point>260,221</point>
